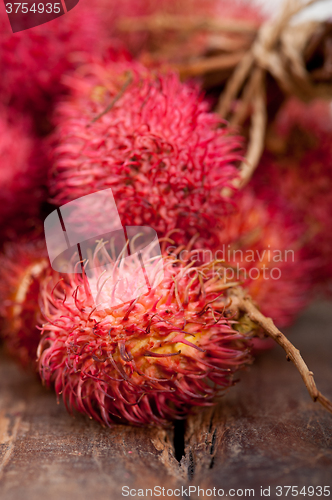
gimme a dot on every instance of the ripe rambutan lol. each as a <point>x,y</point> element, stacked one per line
<point>149,138</point>
<point>22,268</point>
<point>35,60</point>
<point>22,172</point>
<point>263,242</point>
<point>143,362</point>
<point>159,178</point>
<point>298,165</point>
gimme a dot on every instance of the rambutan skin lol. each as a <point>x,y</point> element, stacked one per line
<point>152,188</point>
<point>33,61</point>
<point>263,241</point>
<point>22,267</point>
<point>164,155</point>
<point>298,166</point>
<point>146,362</point>
<point>22,172</point>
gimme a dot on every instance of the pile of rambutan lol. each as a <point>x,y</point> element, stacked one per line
<point>298,164</point>
<point>123,332</point>
<point>23,174</point>
<point>35,60</point>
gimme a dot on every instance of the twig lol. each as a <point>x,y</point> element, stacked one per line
<point>285,65</point>
<point>114,101</point>
<point>257,129</point>
<point>206,65</point>
<point>234,84</point>
<point>243,107</point>
<point>244,303</point>
<point>183,23</point>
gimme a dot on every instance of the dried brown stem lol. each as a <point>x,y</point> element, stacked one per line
<point>234,84</point>
<point>244,303</point>
<point>257,129</point>
<point>229,42</point>
<point>243,108</point>
<point>207,65</point>
<point>183,23</point>
<point>275,51</point>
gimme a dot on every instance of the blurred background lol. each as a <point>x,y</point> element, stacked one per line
<point>320,11</point>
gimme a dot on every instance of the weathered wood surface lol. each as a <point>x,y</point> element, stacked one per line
<point>266,432</point>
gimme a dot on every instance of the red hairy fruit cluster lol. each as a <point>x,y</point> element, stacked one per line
<point>22,172</point>
<point>33,61</point>
<point>263,242</point>
<point>152,140</point>
<point>298,165</point>
<point>144,362</point>
<point>23,266</point>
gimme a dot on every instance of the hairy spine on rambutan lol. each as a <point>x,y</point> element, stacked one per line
<point>22,172</point>
<point>144,362</point>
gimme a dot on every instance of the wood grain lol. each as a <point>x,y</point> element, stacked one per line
<point>265,432</point>
<point>268,432</point>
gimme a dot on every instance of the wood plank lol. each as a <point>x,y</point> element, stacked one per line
<point>267,431</point>
<point>47,454</point>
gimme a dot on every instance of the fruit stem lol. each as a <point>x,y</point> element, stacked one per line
<point>115,100</point>
<point>244,303</point>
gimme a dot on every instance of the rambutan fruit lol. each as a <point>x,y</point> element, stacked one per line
<point>22,267</point>
<point>33,61</point>
<point>22,172</point>
<point>144,362</point>
<point>298,166</point>
<point>147,361</point>
<point>263,242</point>
<point>174,186</point>
<point>149,138</point>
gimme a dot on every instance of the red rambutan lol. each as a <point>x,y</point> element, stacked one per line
<point>143,362</point>
<point>263,242</point>
<point>22,172</point>
<point>22,268</point>
<point>34,60</point>
<point>151,140</point>
<point>298,165</point>
<point>170,185</point>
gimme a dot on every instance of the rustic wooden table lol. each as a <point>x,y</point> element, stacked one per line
<point>266,432</point>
